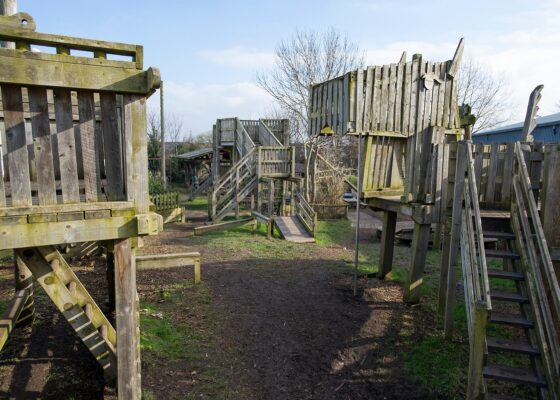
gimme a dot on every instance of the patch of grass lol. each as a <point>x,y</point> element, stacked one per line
<point>148,395</point>
<point>436,366</point>
<point>3,305</point>
<point>333,232</point>
<point>198,203</point>
<point>162,337</point>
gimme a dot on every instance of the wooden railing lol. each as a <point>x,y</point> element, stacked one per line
<point>467,229</point>
<point>266,137</point>
<point>243,141</point>
<point>305,213</point>
<point>543,289</point>
<point>165,201</point>
<point>276,161</point>
<point>234,186</point>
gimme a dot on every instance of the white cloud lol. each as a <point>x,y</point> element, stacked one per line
<point>199,105</point>
<point>239,57</point>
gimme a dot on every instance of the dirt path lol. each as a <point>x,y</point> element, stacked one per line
<point>271,320</point>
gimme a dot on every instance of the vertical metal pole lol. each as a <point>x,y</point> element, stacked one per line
<point>358,195</point>
<point>162,129</point>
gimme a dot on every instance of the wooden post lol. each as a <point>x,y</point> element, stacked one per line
<point>110,274</point>
<point>419,249</point>
<point>387,244</point>
<point>271,198</point>
<point>162,129</point>
<point>8,7</point>
<point>477,353</point>
<point>127,320</point>
<point>453,263</point>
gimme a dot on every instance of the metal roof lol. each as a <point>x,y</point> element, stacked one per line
<point>552,119</point>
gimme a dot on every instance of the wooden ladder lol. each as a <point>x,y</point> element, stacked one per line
<point>512,309</point>
<point>72,299</point>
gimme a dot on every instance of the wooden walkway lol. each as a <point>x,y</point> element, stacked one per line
<point>292,230</point>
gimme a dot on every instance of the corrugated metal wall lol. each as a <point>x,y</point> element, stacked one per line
<point>549,133</point>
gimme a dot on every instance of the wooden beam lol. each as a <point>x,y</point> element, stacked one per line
<point>165,261</point>
<point>420,240</point>
<point>387,244</point>
<point>201,230</point>
<point>11,315</point>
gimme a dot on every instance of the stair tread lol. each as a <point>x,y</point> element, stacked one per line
<point>495,214</point>
<point>515,375</point>
<point>510,319</point>
<point>513,346</point>
<point>492,396</point>
<point>496,273</point>
<point>501,254</point>
<point>508,296</point>
<point>498,235</point>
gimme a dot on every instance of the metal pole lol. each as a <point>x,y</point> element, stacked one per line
<point>162,129</point>
<point>358,195</point>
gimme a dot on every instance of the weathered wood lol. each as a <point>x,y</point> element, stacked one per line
<point>114,162</point>
<point>127,320</point>
<point>42,148</point>
<point>387,244</point>
<point>165,261</point>
<point>18,161</point>
<point>92,175</point>
<point>420,239</point>
<point>531,114</point>
<point>201,230</point>
<point>12,314</point>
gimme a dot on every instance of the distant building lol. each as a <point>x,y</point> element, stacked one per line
<point>546,131</point>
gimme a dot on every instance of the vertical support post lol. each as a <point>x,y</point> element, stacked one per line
<point>550,201</point>
<point>162,129</point>
<point>127,320</point>
<point>420,241</point>
<point>271,198</point>
<point>387,244</point>
<point>24,280</point>
<point>477,351</point>
<point>358,200</point>
<point>110,274</point>
<point>453,263</point>
<point>237,193</point>
<point>8,7</point>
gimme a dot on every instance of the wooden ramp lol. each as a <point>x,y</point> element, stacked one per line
<point>292,230</point>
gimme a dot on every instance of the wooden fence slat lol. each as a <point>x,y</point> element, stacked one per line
<point>398,98</point>
<point>447,98</point>
<point>392,97</point>
<point>507,175</point>
<point>18,159</point>
<point>113,153</point>
<point>340,129</point>
<point>66,146</point>
<point>92,177</point>
<point>492,172</point>
<point>360,101</point>
<point>406,98</point>
<point>384,99</point>
<point>375,106</point>
<point>415,84</point>
<point>369,94</point>
<point>441,93</point>
<point>334,106</point>
<point>40,127</point>
<point>329,103</point>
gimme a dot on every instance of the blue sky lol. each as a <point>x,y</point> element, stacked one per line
<point>209,51</point>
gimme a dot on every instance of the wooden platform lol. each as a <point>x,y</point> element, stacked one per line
<point>292,230</point>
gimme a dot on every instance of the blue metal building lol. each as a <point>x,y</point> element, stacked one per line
<point>547,131</point>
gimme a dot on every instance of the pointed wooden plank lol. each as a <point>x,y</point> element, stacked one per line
<point>392,97</point>
<point>329,104</point>
<point>384,98</point>
<point>369,95</point>
<point>415,86</point>
<point>507,174</point>
<point>40,127</point>
<point>18,159</point>
<point>479,148</point>
<point>320,116</point>
<point>532,108</point>
<point>341,128</point>
<point>454,112</point>
<point>313,110</point>
<point>447,99</point>
<point>419,132</point>
<point>440,72</point>
<point>113,148</point>
<point>375,101</point>
<point>453,67</point>
<point>360,101</point>
<point>92,177</point>
<point>346,103</point>
<point>406,98</point>
<point>399,96</point>
<point>325,103</point>
<point>66,146</point>
<point>492,172</point>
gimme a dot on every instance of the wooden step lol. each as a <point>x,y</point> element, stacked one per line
<point>492,396</point>
<point>515,375</point>
<point>498,273</point>
<point>498,235</point>
<point>508,296</point>
<point>490,253</point>
<point>510,319</point>
<point>512,346</point>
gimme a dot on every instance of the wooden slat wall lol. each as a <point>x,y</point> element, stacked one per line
<point>53,144</point>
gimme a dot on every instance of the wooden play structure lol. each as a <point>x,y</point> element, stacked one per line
<point>502,193</point>
<point>408,116</point>
<point>74,146</point>
<point>260,171</point>
<point>489,200</point>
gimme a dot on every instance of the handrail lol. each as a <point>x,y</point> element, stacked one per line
<point>243,140</point>
<point>473,263</point>
<point>542,288</point>
<point>266,137</point>
<point>305,213</point>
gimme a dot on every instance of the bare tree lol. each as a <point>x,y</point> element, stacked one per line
<point>307,57</point>
<point>485,93</point>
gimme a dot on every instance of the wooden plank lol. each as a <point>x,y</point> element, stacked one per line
<point>165,261</point>
<point>66,146</point>
<point>113,148</point>
<point>447,99</point>
<point>375,104</point>
<point>346,103</point>
<point>415,83</point>
<point>398,97</point>
<point>407,77</point>
<point>369,96</point>
<point>204,229</point>
<point>18,161</point>
<point>127,320</point>
<point>416,272</point>
<point>341,128</point>
<point>392,97</point>
<point>329,103</point>
<point>384,98</point>
<point>92,177</point>
<point>491,173</point>
<point>9,318</point>
<point>360,101</point>
<point>507,175</point>
<point>334,106</point>
<point>42,148</point>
